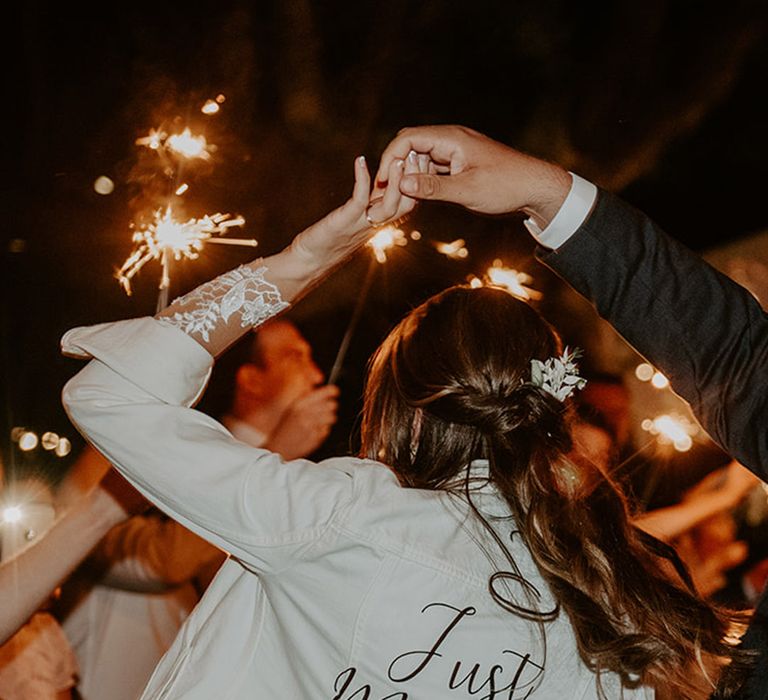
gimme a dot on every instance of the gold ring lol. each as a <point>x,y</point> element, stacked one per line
<point>371,222</point>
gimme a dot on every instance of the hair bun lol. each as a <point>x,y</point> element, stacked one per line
<point>525,408</point>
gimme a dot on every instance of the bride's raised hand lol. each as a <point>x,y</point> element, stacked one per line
<point>342,231</point>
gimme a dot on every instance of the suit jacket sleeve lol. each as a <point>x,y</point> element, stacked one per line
<point>705,332</point>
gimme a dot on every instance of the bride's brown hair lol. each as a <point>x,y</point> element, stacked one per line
<point>451,384</point>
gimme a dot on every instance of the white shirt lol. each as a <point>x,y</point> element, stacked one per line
<point>572,213</point>
<point>121,630</point>
<point>342,584</point>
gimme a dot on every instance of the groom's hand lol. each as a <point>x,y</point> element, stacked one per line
<point>477,172</point>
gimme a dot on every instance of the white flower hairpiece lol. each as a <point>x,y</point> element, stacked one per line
<point>558,376</point>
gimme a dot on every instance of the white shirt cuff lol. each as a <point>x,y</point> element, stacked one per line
<point>572,214</point>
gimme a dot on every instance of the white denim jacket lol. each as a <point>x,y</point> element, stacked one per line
<point>341,584</point>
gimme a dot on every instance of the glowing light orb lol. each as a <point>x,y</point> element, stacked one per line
<point>385,239</point>
<point>475,282</point>
<point>673,430</point>
<point>644,372</point>
<point>63,448</point>
<point>103,185</point>
<point>210,107</point>
<point>28,441</point>
<point>12,514</point>
<point>49,441</point>
<point>181,189</point>
<point>659,381</point>
<point>415,235</point>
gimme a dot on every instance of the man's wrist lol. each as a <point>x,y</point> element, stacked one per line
<point>552,188</point>
<point>572,213</point>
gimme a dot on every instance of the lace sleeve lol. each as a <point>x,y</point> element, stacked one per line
<point>218,312</point>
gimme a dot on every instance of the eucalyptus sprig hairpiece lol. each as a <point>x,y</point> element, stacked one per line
<point>558,376</point>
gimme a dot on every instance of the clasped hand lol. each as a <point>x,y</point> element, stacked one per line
<point>341,232</point>
<point>447,163</point>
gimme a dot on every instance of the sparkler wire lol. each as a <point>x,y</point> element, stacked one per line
<point>354,320</point>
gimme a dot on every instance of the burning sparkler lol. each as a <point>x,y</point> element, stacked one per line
<point>12,514</point>
<point>184,144</point>
<point>166,239</point>
<point>672,429</point>
<point>516,283</point>
<point>456,250</point>
<point>384,239</point>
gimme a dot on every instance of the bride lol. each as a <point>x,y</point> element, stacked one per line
<point>461,555</point>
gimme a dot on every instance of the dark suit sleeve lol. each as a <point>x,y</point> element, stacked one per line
<point>705,332</point>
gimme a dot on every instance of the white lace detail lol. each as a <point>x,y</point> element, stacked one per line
<point>242,290</point>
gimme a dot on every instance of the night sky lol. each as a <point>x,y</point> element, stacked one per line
<point>662,102</point>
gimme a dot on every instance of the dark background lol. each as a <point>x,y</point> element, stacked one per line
<point>661,101</point>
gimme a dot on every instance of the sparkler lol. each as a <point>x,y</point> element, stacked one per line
<point>183,144</point>
<point>672,429</point>
<point>166,239</point>
<point>385,239</point>
<point>516,283</point>
<point>12,514</point>
<point>189,146</point>
<point>455,250</point>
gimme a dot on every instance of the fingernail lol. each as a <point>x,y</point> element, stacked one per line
<point>399,163</point>
<point>361,160</point>
<point>412,158</point>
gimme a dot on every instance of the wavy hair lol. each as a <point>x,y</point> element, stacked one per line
<point>451,384</point>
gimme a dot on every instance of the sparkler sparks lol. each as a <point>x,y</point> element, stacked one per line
<point>166,239</point>
<point>189,146</point>
<point>184,144</point>
<point>12,514</point>
<point>153,140</point>
<point>385,239</point>
<point>455,250</point>
<point>516,283</point>
<point>672,429</point>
